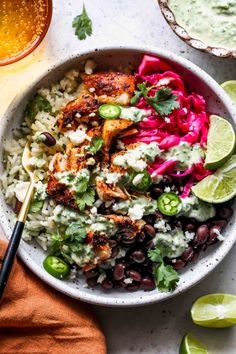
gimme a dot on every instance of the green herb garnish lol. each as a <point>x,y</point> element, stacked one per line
<point>37,104</point>
<point>75,232</point>
<point>165,276</point>
<point>96,145</point>
<point>85,199</point>
<point>163,101</point>
<point>83,25</point>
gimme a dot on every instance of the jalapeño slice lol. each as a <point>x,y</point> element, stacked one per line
<point>56,267</point>
<point>169,203</point>
<point>109,111</point>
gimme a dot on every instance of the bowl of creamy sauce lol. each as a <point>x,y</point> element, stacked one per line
<point>23,25</point>
<point>209,25</point>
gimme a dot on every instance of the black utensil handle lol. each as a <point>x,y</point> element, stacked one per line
<point>9,256</point>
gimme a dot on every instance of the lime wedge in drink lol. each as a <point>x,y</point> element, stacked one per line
<point>230,88</point>
<point>220,142</point>
<point>220,186</point>
<point>215,311</point>
<point>190,345</point>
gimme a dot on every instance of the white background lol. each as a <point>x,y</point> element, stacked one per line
<point>157,328</point>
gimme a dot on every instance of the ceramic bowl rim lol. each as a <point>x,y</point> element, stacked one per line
<point>96,298</point>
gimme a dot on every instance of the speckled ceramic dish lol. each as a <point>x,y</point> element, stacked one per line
<point>33,255</point>
<point>193,42</point>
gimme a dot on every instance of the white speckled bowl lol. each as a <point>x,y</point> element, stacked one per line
<point>32,254</point>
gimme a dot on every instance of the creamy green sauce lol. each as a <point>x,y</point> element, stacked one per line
<point>212,21</point>
<point>192,207</point>
<point>184,154</point>
<point>135,114</point>
<point>137,158</point>
<point>172,243</point>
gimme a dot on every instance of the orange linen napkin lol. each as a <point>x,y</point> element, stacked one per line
<point>36,319</point>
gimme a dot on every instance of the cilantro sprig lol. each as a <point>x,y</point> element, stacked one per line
<point>165,275</point>
<point>83,25</point>
<point>163,101</point>
<point>95,145</point>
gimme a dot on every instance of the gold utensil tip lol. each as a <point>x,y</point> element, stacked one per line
<point>33,179</point>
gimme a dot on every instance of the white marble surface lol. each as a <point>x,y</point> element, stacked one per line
<point>155,329</point>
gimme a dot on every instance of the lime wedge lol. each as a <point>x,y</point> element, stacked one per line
<point>230,88</point>
<point>220,186</point>
<point>220,142</point>
<point>215,311</point>
<point>190,345</point>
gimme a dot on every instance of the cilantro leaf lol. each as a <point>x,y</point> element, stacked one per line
<point>96,145</point>
<point>137,95</point>
<point>163,101</point>
<point>76,232</point>
<point>83,25</point>
<point>166,277</point>
<point>37,104</point>
<point>85,199</point>
<point>36,206</point>
<point>81,184</point>
<point>155,255</point>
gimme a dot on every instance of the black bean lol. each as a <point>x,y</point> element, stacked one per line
<point>188,254</point>
<point>179,264</point>
<point>140,237</point>
<point>220,223</point>
<point>133,274</point>
<point>112,243</point>
<point>132,287</point>
<point>166,180</point>
<point>114,252</point>
<point>48,139</point>
<point>137,256</point>
<point>178,224</point>
<point>128,241</point>
<point>149,230</point>
<point>92,282</point>
<point>149,244</point>
<point>119,271</point>
<point>156,192</point>
<point>214,231</point>
<point>225,213</point>
<point>150,219</point>
<point>201,234</point>
<point>190,227</point>
<point>91,273</point>
<point>148,283</point>
<point>107,284</point>
<point>158,215</point>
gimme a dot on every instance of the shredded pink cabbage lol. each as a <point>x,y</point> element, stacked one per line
<point>187,188</point>
<point>189,123</point>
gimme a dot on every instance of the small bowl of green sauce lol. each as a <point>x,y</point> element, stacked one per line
<point>209,26</point>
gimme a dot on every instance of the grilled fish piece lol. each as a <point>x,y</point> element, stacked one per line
<point>99,88</point>
<point>111,87</point>
<point>125,225</point>
<point>60,193</point>
<point>77,112</point>
<point>111,128</point>
<point>107,192</point>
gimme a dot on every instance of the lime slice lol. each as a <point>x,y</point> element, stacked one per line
<point>190,345</point>
<point>220,142</point>
<point>220,186</point>
<point>230,88</point>
<point>215,311</point>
